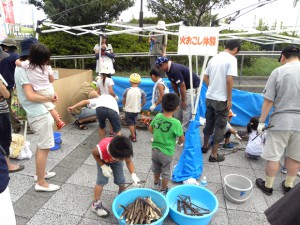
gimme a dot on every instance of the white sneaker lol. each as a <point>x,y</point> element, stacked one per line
<point>298,174</point>
<point>47,176</point>
<point>52,187</point>
<point>99,209</point>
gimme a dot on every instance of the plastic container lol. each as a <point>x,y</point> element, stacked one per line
<point>199,196</point>
<point>131,195</point>
<point>203,182</point>
<point>57,141</point>
<point>237,188</point>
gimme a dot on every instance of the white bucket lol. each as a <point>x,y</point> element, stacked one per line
<point>237,188</point>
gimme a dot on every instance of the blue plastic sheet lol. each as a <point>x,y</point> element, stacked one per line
<point>245,104</point>
<point>121,83</point>
<point>190,164</point>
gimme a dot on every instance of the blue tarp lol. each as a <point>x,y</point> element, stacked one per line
<point>245,104</point>
<point>190,163</point>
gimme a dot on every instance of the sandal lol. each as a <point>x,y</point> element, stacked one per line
<point>21,167</point>
<point>80,126</point>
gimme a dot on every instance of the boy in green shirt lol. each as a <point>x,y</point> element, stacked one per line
<point>165,129</point>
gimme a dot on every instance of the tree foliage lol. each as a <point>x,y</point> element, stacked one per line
<point>195,12</point>
<point>81,12</point>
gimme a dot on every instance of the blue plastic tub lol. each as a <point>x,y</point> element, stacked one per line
<point>199,196</point>
<point>57,141</point>
<point>129,196</point>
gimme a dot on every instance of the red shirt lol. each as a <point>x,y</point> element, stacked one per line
<point>103,150</point>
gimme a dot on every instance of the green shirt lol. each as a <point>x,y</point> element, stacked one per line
<point>165,131</point>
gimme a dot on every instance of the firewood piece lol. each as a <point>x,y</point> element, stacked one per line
<point>149,202</point>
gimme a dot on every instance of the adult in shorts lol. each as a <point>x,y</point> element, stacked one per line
<point>282,92</point>
<point>39,119</point>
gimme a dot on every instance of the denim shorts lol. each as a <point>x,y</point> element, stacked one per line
<point>161,163</point>
<point>131,118</point>
<point>104,113</point>
<point>85,113</point>
<point>118,174</point>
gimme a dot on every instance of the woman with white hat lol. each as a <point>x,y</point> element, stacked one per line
<point>158,44</point>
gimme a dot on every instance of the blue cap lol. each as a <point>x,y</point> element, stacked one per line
<point>26,45</point>
<point>160,60</point>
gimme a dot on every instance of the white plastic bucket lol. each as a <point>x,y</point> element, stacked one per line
<point>237,188</point>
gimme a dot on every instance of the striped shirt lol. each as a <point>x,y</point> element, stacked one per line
<point>3,106</point>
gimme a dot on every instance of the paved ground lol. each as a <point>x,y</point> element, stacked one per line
<point>76,172</point>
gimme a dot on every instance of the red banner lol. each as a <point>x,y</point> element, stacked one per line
<point>8,11</point>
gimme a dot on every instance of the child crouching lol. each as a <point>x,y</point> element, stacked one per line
<point>109,155</point>
<point>255,143</point>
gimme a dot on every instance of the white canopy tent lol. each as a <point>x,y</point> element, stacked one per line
<point>255,36</point>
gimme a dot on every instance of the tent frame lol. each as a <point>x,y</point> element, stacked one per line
<point>251,35</point>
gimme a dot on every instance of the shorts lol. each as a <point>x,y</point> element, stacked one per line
<point>161,163</point>
<point>216,119</point>
<point>131,118</point>
<point>85,113</point>
<point>118,174</point>
<point>277,141</point>
<point>42,127</point>
<point>49,92</point>
<point>104,113</point>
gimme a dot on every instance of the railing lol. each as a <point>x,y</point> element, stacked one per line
<point>81,58</point>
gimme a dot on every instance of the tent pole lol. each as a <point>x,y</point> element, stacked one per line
<point>200,86</point>
<point>100,49</point>
<point>191,84</point>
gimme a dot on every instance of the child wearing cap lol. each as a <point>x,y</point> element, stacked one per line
<point>159,89</point>
<point>134,99</point>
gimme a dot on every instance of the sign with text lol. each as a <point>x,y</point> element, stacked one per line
<point>198,40</point>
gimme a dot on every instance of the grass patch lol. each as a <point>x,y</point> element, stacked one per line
<point>262,66</point>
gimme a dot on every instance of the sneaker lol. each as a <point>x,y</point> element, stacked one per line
<point>60,124</point>
<point>285,189</point>
<point>204,150</point>
<point>298,174</point>
<point>229,145</point>
<point>133,139</point>
<point>157,185</point>
<point>283,170</point>
<point>164,191</point>
<point>260,183</point>
<point>99,209</point>
<point>219,158</point>
<point>111,134</point>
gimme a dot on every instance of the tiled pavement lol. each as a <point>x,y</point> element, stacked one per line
<point>76,173</point>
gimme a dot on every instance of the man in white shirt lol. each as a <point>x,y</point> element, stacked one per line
<point>219,78</point>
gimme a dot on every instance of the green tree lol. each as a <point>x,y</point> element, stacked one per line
<point>81,12</point>
<point>195,12</point>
